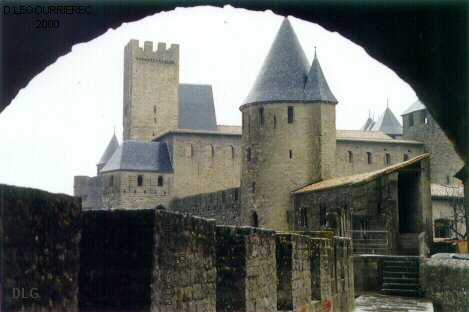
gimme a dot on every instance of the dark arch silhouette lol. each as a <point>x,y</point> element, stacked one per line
<point>160,207</point>
<point>424,44</point>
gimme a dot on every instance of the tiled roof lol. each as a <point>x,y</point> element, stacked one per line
<point>229,129</point>
<point>361,134</point>
<point>357,178</point>
<point>140,156</point>
<point>110,149</point>
<point>447,191</point>
<point>284,73</point>
<point>388,123</point>
<point>414,107</point>
<point>196,107</point>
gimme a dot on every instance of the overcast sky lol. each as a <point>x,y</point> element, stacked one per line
<point>60,123</point>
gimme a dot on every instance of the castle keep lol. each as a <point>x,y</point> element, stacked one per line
<point>286,168</point>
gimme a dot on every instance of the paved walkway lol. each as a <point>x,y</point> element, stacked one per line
<point>379,303</point>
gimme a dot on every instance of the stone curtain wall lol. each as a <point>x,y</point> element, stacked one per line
<point>89,189</point>
<point>246,269</point>
<point>446,282</point>
<point>293,257</point>
<point>184,273</point>
<point>40,233</point>
<point>116,260</point>
<point>223,206</point>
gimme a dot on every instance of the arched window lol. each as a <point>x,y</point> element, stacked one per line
<point>111,181</point>
<point>209,151</point>
<point>350,157</point>
<point>275,122</point>
<point>387,159</point>
<point>406,157</point>
<point>188,150</point>
<point>160,181</point>
<point>229,155</point>
<point>261,116</point>
<point>255,219</point>
<point>139,180</point>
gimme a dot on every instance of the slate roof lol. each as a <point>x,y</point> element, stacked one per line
<point>110,149</point>
<point>357,178</point>
<point>414,107</point>
<point>140,156</point>
<point>446,191</point>
<point>369,123</point>
<point>388,123</point>
<point>285,72</point>
<point>196,107</point>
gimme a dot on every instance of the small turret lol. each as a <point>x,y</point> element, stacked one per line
<point>389,124</point>
<point>110,149</point>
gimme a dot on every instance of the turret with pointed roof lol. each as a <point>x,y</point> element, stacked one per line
<point>369,123</point>
<point>289,133</point>
<point>388,123</point>
<point>286,75</point>
<point>108,152</point>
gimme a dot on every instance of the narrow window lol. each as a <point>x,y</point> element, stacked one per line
<point>387,159</point>
<point>255,219</point>
<point>304,217</point>
<point>406,157</point>
<point>154,119</point>
<point>139,180</point>
<point>248,156</point>
<point>275,122</point>
<point>350,156</point>
<point>111,181</point>
<point>189,150</point>
<point>369,157</point>
<point>411,120</point>
<point>209,151</point>
<point>261,116</point>
<point>160,180</point>
<point>447,179</point>
<point>253,187</point>
<point>425,119</point>
<point>290,114</point>
<point>236,194</point>
<point>154,109</point>
<point>291,154</point>
<point>322,216</point>
<point>249,124</point>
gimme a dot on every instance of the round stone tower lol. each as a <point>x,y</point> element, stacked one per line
<point>289,133</point>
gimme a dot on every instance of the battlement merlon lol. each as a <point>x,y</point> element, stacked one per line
<point>147,53</point>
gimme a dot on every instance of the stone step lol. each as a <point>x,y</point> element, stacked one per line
<point>401,292</point>
<point>407,263</point>
<point>401,274</point>
<point>401,286</point>
<point>401,280</point>
<point>391,268</point>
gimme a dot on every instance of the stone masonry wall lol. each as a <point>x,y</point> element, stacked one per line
<point>184,273</point>
<point>124,192</point>
<point>89,189</point>
<point>223,206</point>
<point>246,269</point>
<point>39,255</point>
<point>151,90</point>
<point>204,163</point>
<point>378,149</point>
<point>444,162</point>
<point>293,257</point>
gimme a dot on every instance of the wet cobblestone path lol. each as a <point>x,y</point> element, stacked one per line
<point>386,303</point>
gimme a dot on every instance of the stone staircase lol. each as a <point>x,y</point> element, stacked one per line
<point>401,276</point>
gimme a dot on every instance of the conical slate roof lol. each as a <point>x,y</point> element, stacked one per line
<point>317,89</point>
<point>388,123</point>
<point>369,123</point>
<point>414,107</point>
<point>110,149</point>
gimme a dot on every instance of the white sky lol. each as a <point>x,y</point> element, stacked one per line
<point>60,123</point>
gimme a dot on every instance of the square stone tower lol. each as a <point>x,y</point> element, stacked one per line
<point>151,90</point>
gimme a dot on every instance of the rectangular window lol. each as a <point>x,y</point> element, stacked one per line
<point>406,157</point>
<point>350,157</point>
<point>369,157</point>
<point>387,159</point>
<point>322,216</point>
<point>160,180</point>
<point>154,109</point>
<point>275,122</point>
<point>290,114</point>
<point>253,187</point>
<point>261,116</point>
<point>291,153</point>
<point>139,180</point>
<point>411,120</point>
<point>248,156</point>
